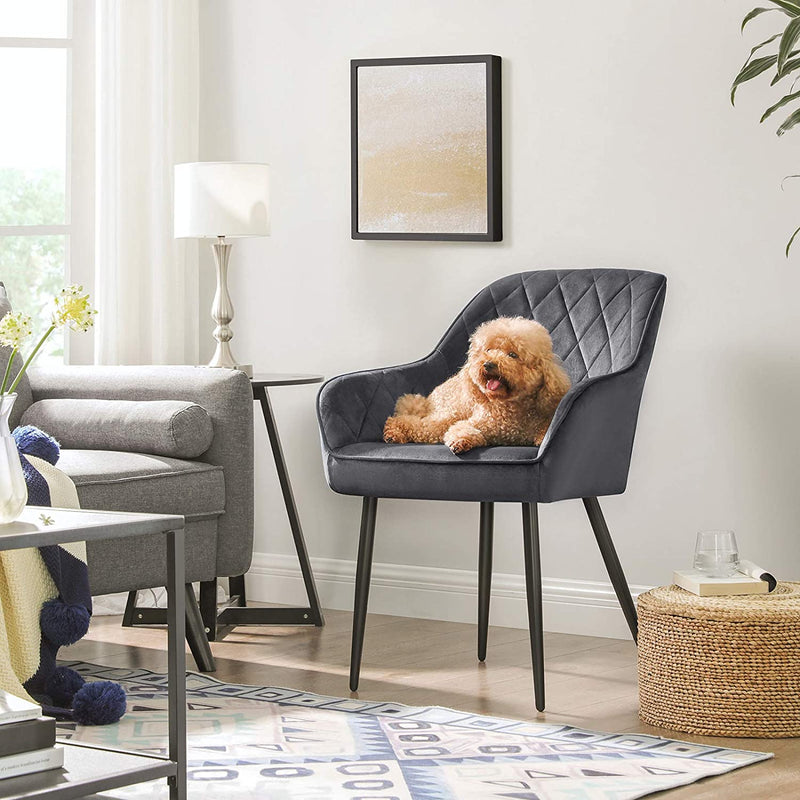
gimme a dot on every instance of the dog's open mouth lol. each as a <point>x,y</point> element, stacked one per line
<point>494,384</point>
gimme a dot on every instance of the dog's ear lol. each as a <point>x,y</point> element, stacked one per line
<point>476,341</point>
<point>555,384</point>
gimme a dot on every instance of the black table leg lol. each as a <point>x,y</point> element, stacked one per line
<point>311,615</point>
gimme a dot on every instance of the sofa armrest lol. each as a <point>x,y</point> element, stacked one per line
<point>227,397</point>
<point>354,407</point>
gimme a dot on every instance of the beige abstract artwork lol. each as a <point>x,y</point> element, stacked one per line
<point>422,148</point>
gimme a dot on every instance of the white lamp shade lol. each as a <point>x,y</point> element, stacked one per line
<point>216,198</point>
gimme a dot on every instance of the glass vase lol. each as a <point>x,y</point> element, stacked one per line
<point>13,490</point>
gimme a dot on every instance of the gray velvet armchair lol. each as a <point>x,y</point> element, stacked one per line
<point>176,440</point>
<point>603,324</point>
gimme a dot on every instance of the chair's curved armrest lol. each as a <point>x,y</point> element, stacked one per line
<point>587,448</point>
<point>563,408</point>
<point>354,407</point>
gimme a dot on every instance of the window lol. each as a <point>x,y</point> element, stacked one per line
<point>46,158</point>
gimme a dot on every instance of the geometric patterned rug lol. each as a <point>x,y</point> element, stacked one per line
<point>263,742</point>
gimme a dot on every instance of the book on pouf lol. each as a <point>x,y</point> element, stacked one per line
<point>705,586</point>
<point>27,740</point>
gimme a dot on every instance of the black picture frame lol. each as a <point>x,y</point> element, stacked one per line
<point>494,199</point>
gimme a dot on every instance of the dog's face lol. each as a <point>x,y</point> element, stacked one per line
<point>509,358</point>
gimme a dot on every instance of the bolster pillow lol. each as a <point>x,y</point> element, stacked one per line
<point>161,427</point>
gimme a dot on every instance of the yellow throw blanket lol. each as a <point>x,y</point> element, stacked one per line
<point>25,585</point>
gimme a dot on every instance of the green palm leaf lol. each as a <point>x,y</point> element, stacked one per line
<point>782,102</point>
<point>757,12</point>
<point>789,122</point>
<point>751,70</point>
<point>789,243</point>
<point>790,66</point>
<point>788,41</point>
<point>764,44</point>
<point>791,7</point>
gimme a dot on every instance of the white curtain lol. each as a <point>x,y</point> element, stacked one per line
<point>147,107</point>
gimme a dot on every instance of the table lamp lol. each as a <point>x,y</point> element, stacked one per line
<point>222,200</point>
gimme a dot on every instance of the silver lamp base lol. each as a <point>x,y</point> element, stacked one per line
<point>222,313</point>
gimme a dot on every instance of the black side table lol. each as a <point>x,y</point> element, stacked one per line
<point>238,613</point>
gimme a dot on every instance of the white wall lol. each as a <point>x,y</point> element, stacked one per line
<point>620,149</point>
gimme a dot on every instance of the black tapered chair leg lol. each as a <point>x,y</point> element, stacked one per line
<point>484,576</point>
<point>611,560</point>
<point>196,634</point>
<point>369,510</point>
<point>533,589</point>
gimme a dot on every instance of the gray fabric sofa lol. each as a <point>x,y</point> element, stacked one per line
<point>110,420</point>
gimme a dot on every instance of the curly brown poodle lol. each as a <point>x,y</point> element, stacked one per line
<point>505,394</point>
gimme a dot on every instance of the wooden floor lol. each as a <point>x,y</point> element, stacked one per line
<point>591,682</point>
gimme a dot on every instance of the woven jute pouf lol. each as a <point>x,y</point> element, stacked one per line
<point>720,666</point>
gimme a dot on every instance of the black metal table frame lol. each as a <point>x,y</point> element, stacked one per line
<point>217,621</point>
<point>220,621</point>
<point>23,534</point>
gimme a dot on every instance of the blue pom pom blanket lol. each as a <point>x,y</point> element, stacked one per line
<point>45,600</point>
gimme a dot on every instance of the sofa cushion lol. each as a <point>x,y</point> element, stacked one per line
<point>116,481</point>
<point>173,428</point>
<point>433,472</point>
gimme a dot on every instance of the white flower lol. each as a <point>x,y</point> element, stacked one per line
<point>73,309</point>
<point>15,329</point>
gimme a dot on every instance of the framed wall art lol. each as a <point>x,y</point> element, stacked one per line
<point>425,148</point>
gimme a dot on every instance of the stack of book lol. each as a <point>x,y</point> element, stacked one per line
<point>27,739</point>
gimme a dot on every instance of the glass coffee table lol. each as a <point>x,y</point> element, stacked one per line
<point>87,769</point>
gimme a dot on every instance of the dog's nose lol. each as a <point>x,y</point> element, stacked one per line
<point>489,365</point>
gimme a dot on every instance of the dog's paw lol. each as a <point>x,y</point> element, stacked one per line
<point>459,444</point>
<point>462,437</point>
<point>394,432</point>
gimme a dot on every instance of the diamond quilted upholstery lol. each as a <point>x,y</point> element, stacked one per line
<point>596,317</point>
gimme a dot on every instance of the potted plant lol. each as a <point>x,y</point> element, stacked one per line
<point>782,64</point>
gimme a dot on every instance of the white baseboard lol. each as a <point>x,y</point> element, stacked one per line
<point>586,608</point>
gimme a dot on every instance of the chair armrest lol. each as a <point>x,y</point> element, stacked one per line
<point>354,407</point>
<point>587,449</point>
<point>225,394</point>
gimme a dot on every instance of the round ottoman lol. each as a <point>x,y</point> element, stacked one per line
<point>720,666</point>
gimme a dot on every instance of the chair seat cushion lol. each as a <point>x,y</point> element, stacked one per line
<point>118,481</point>
<point>433,472</point>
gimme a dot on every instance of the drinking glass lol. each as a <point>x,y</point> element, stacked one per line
<point>716,553</point>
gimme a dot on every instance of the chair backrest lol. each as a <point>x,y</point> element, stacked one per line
<point>596,317</point>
